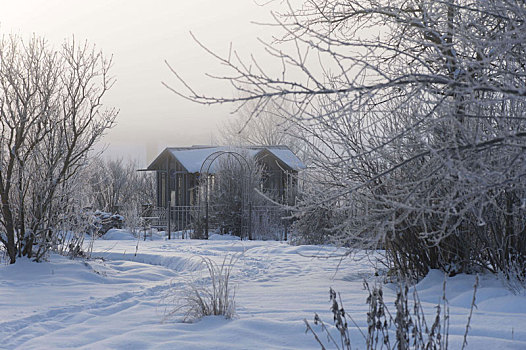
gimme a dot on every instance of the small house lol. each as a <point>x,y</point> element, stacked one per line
<point>178,170</point>
<point>182,172</point>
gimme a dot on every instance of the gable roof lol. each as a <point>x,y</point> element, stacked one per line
<point>287,157</point>
<point>192,158</point>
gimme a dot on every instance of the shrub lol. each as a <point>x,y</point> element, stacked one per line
<point>106,221</point>
<point>4,258</point>
<point>316,225</point>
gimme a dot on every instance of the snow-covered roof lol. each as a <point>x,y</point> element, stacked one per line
<point>192,158</point>
<point>287,157</point>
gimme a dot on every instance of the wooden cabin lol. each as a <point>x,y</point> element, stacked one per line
<point>178,170</point>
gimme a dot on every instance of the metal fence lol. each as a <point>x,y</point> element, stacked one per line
<point>254,222</point>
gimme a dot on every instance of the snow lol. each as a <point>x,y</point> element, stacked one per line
<point>193,158</point>
<point>118,234</point>
<point>218,237</point>
<point>287,157</point>
<point>117,299</point>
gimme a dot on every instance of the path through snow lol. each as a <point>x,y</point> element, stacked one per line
<point>118,299</point>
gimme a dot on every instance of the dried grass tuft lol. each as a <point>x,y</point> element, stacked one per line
<point>213,295</point>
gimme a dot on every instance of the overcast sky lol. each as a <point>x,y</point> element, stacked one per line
<point>141,35</point>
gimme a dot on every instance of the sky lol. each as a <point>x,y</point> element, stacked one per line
<point>141,35</point>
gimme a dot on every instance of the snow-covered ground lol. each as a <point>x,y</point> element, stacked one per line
<point>118,299</point>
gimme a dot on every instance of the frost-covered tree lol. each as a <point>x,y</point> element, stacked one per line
<point>51,115</point>
<point>271,127</point>
<point>115,186</point>
<point>415,112</point>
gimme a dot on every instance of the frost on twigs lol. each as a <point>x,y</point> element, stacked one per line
<point>415,136</point>
<point>44,145</point>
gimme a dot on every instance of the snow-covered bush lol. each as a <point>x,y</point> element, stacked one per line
<point>270,222</point>
<point>105,221</point>
<point>69,237</point>
<point>3,255</point>
<point>316,226</point>
<point>116,186</point>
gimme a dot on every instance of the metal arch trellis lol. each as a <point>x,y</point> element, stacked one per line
<point>204,173</point>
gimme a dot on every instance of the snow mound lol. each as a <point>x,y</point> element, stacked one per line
<point>117,234</point>
<point>218,237</point>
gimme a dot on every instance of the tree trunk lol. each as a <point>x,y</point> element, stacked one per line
<point>10,232</point>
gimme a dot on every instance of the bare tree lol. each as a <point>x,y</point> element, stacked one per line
<point>116,186</point>
<point>415,110</point>
<point>271,127</point>
<point>51,116</point>
<point>108,180</point>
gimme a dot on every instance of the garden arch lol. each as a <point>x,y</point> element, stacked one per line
<point>204,182</point>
